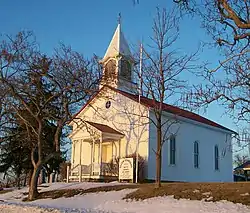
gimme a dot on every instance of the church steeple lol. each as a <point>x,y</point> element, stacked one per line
<point>118,63</point>
<point>118,45</point>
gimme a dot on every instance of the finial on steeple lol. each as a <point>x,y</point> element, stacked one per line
<point>119,18</point>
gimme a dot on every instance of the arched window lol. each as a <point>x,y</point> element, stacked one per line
<point>110,70</point>
<point>172,150</point>
<point>125,69</point>
<point>196,154</point>
<point>216,157</point>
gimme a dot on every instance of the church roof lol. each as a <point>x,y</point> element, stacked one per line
<point>117,46</point>
<point>166,107</point>
<point>173,110</point>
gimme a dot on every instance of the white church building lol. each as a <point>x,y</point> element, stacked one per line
<point>114,124</point>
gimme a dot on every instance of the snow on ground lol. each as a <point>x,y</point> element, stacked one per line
<point>22,209</point>
<point>112,202</point>
<point>18,195</point>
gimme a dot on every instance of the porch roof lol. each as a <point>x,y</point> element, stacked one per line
<point>104,128</point>
<point>244,166</point>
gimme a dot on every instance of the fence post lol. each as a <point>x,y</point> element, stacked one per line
<point>67,174</point>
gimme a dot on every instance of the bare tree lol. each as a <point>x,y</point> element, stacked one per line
<point>3,105</point>
<point>228,23</point>
<point>240,159</point>
<point>47,89</point>
<point>161,77</point>
<point>242,140</point>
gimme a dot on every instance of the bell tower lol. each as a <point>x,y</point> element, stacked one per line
<point>118,64</point>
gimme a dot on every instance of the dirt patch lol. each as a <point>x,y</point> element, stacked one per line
<point>54,194</point>
<point>235,192</point>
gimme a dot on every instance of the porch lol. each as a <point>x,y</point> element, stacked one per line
<point>95,171</point>
<point>102,148</point>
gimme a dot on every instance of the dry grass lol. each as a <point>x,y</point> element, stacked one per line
<point>5,191</point>
<point>54,194</point>
<point>235,192</point>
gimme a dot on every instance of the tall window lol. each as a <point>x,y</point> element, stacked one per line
<point>196,154</point>
<point>172,150</point>
<point>216,158</point>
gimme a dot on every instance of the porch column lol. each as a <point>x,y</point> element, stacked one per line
<point>99,151</point>
<point>120,148</point>
<point>100,154</point>
<point>92,156</point>
<point>73,152</point>
<point>112,150</point>
<point>80,163</point>
<point>80,152</point>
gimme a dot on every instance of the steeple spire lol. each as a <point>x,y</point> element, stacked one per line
<point>118,45</point>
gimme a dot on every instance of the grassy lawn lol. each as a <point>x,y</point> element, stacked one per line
<point>235,192</point>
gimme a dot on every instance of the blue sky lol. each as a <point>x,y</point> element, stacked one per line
<point>88,26</point>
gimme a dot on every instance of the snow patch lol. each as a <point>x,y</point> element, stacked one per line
<point>206,193</point>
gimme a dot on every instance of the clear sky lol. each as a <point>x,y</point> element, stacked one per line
<point>88,26</point>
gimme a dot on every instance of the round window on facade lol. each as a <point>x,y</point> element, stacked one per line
<point>108,104</point>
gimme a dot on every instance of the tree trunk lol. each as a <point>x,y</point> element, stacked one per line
<point>158,157</point>
<point>25,179</point>
<point>48,176</point>
<point>29,176</point>
<point>18,181</point>
<point>57,135</point>
<point>33,192</point>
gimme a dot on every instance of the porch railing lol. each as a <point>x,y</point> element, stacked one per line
<point>94,169</point>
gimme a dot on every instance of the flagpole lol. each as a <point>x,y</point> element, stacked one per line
<point>139,101</point>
